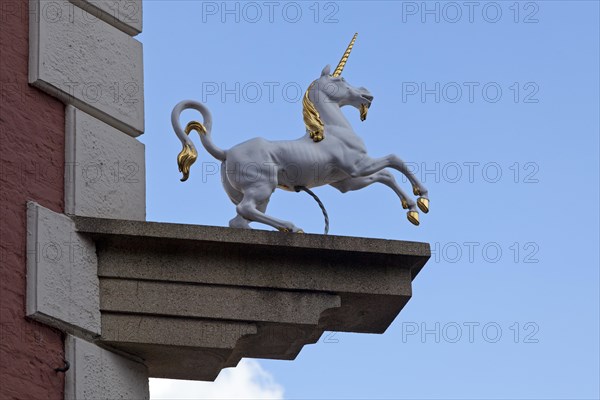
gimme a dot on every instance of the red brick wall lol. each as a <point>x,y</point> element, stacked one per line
<point>31,168</point>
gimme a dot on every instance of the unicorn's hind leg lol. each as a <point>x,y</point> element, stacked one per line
<point>243,223</point>
<point>239,222</point>
<point>236,197</point>
<point>254,203</point>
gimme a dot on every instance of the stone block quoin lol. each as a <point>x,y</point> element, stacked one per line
<point>62,274</point>
<point>96,373</point>
<point>88,63</point>
<point>105,170</point>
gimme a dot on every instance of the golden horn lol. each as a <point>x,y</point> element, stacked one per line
<point>340,67</point>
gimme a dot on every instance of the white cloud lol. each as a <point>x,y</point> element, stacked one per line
<point>247,381</point>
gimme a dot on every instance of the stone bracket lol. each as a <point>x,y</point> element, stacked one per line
<point>190,300</point>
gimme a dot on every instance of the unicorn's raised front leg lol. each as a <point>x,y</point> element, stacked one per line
<point>368,166</point>
<point>386,178</point>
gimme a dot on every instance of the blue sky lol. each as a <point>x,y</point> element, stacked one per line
<point>495,105</point>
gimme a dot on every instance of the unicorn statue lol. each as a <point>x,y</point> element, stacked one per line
<point>330,153</point>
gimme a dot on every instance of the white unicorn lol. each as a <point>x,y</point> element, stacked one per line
<point>330,153</point>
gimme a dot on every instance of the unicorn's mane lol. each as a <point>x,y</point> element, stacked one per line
<point>312,119</point>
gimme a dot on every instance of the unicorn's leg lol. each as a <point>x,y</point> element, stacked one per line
<point>243,223</point>
<point>255,202</point>
<point>236,197</point>
<point>368,166</point>
<point>387,179</point>
<point>384,177</point>
<point>239,222</point>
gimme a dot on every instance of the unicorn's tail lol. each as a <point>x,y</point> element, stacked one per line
<point>189,154</point>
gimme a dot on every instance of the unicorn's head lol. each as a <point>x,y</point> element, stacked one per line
<point>332,88</point>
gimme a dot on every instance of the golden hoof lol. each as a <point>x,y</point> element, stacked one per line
<point>423,204</point>
<point>300,231</point>
<point>413,217</point>
<point>416,191</point>
<point>283,230</point>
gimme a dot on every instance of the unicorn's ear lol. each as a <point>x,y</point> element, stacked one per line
<point>326,70</point>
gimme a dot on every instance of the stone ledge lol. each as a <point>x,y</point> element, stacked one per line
<point>190,300</point>
<point>408,252</point>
